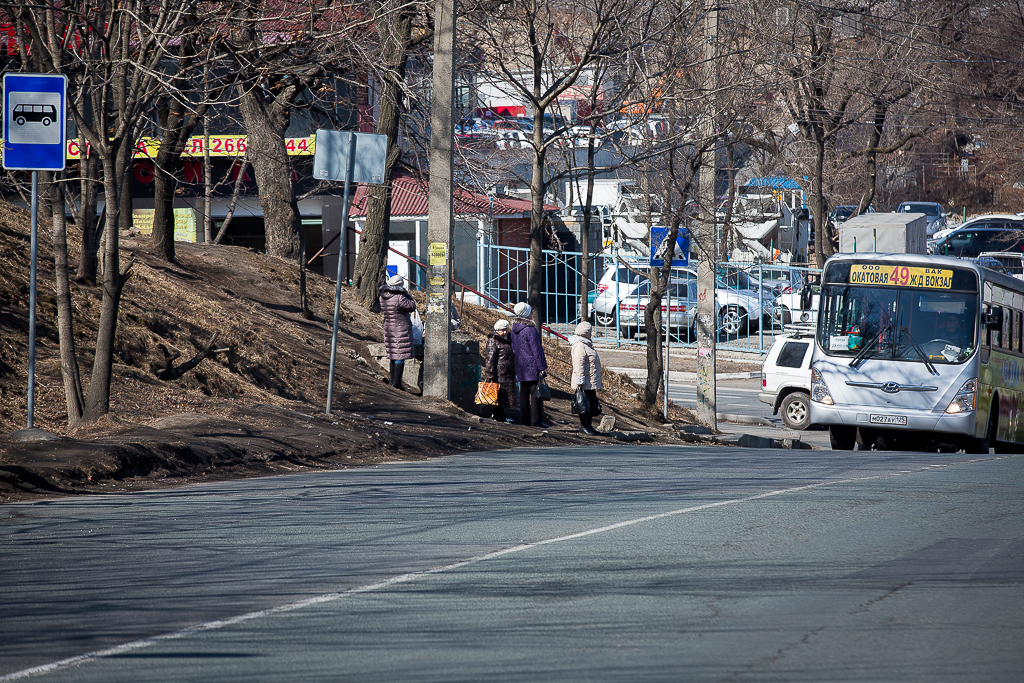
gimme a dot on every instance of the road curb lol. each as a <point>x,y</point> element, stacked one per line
<point>696,436</point>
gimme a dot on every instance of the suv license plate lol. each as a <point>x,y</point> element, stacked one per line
<point>888,419</point>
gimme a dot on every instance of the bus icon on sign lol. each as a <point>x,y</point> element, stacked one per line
<point>35,118</point>
<point>43,113</point>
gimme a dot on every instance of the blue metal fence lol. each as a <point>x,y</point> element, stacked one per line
<point>755,301</point>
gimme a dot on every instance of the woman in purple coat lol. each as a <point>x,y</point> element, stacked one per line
<point>531,365</point>
<point>396,304</point>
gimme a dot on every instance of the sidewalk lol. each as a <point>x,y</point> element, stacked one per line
<point>640,374</point>
<point>816,438</point>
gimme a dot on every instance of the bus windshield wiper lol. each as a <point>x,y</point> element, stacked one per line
<point>917,347</point>
<point>869,349</point>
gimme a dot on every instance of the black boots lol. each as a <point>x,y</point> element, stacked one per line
<point>397,369</point>
<point>587,426</point>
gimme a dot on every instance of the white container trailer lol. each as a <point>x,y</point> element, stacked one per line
<point>885,233</point>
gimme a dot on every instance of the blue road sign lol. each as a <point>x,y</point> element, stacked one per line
<point>660,248</point>
<point>35,107</point>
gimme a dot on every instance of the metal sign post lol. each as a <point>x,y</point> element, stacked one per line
<point>662,249</point>
<point>34,131</point>
<point>352,157</point>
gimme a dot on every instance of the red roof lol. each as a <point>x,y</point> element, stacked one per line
<point>409,198</point>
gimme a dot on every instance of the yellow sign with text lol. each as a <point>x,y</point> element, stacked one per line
<point>900,276</point>
<point>220,146</point>
<point>438,254</point>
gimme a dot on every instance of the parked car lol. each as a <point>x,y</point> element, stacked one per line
<point>800,302</point>
<point>786,379</point>
<point>736,310</point>
<point>681,317</point>
<point>1008,262</point>
<point>970,242</point>
<point>781,279</point>
<point>579,136</point>
<point>1008,221</point>
<point>933,211</point>
<point>604,302</point>
<point>841,214</point>
<point>736,278</point>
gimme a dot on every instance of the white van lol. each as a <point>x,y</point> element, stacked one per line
<point>786,378</point>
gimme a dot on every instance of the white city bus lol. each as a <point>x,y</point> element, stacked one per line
<point>918,351</point>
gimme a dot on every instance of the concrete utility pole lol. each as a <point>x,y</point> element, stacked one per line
<point>437,320</point>
<point>707,253</point>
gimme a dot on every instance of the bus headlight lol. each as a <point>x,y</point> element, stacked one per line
<point>819,390</point>
<point>965,399</point>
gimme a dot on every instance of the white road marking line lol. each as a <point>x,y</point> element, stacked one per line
<point>412,576</point>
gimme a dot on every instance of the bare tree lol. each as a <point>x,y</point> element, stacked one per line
<point>401,28</point>
<point>538,51</point>
<point>130,40</point>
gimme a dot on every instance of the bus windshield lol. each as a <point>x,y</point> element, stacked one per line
<point>898,323</point>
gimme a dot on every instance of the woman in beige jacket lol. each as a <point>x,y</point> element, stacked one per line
<point>586,374</point>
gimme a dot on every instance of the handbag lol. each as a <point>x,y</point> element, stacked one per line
<point>542,392</point>
<point>487,394</point>
<point>580,403</point>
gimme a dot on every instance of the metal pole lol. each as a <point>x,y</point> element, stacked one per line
<point>341,260</point>
<point>760,296</point>
<point>32,301</point>
<point>668,337</point>
<point>616,312</point>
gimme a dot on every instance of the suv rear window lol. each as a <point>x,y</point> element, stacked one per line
<point>792,354</point>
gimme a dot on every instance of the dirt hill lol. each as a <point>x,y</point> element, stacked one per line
<point>256,410</point>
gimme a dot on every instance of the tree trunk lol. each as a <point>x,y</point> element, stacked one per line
<point>538,187</point>
<point>168,166</point>
<point>88,260</point>
<point>266,124</point>
<point>822,240</point>
<point>98,398</point>
<point>371,260</point>
<point>69,370</point>
<point>588,212</point>
<point>124,170</point>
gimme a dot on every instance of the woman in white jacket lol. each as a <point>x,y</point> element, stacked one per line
<point>586,374</point>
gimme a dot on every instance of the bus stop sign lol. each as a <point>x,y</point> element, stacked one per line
<point>34,122</point>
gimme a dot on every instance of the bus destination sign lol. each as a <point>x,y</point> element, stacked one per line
<point>900,276</point>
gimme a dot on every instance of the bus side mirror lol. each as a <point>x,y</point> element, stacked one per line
<point>993,320</point>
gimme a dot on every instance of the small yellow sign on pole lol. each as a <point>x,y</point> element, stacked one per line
<point>438,254</point>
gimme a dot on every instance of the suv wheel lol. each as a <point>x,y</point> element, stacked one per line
<point>795,410</point>
<point>605,319</point>
<point>731,319</point>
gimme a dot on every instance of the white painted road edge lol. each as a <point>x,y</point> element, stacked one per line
<point>412,576</point>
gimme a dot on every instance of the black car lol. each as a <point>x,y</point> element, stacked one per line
<point>969,242</point>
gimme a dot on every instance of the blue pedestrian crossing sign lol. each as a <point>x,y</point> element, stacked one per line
<point>661,248</point>
<point>35,130</point>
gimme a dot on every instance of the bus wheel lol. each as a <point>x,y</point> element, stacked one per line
<point>842,438</point>
<point>982,445</point>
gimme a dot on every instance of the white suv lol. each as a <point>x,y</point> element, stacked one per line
<point>786,379</point>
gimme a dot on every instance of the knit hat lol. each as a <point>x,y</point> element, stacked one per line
<point>396,280</point>
<point>523,309</point>
<point>584,330</point>
<point>501,325</point>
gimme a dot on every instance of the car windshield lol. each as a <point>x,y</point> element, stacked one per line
<point>926,209</point>
<point>898,324</point>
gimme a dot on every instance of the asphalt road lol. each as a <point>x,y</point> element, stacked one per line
<point>641,563</point>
